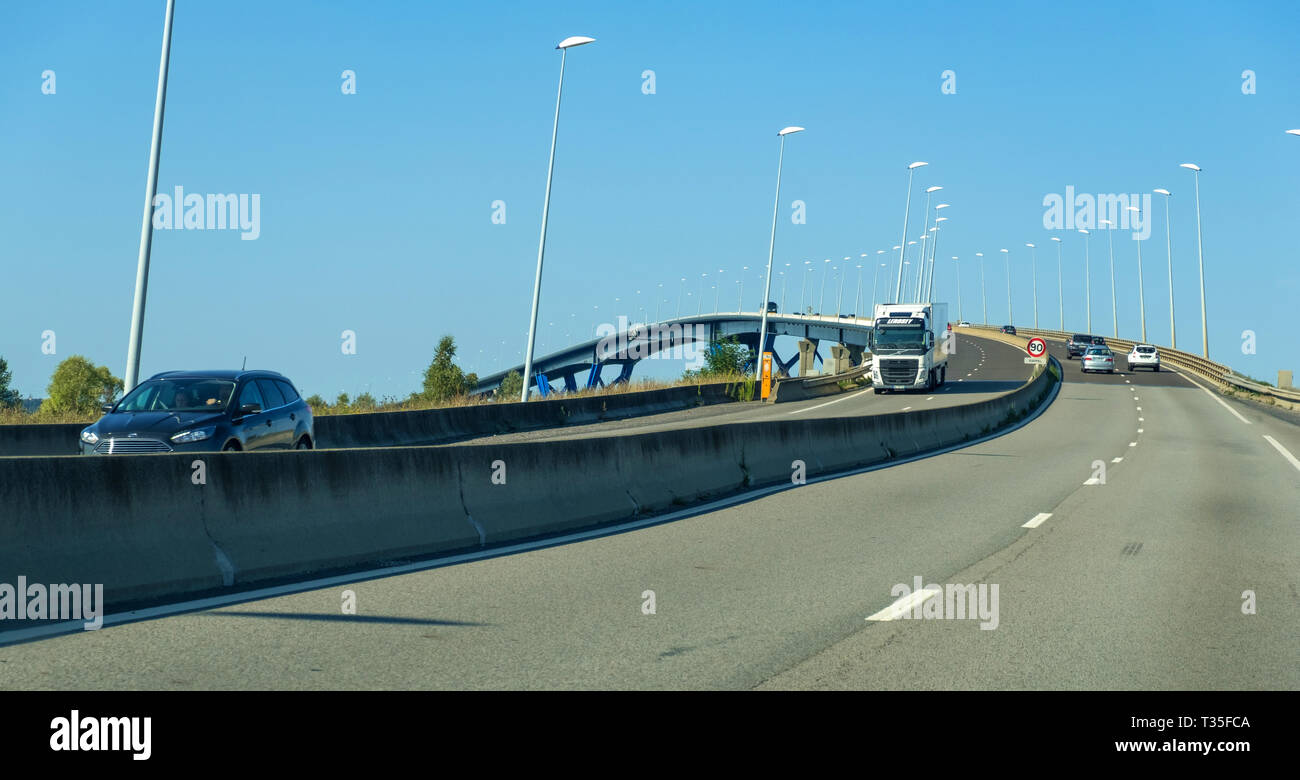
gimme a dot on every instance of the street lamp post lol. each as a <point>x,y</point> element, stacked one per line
<point>1011,317</point>
<point>1200,259</point>
<point>934,247</point>
<point>1110,238</point>
<point>925,231</point>
<point>146,229</point>
<point>839,296</point>
<point>771,248</point>
<point>1087,276</point>
<point>1060,286</point>
<point>680,288</point>
<point>911,169</point>
<point>957,266</point>
<point>1142,302</point>
<point>984,298</point>
<point>821,301</point>
<point>1033,263</point>
<point>564,46</point>
<point>1169,248</point>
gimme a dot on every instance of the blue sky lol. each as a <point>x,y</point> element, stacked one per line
<point>376,208</point>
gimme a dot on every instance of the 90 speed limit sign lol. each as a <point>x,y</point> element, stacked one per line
<point>1037,349</point>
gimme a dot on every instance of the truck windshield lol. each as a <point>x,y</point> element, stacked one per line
<point>899,337</point>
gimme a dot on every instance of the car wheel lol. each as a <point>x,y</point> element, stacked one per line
<point>231,446</point>
<point>303,444</point>
<point>1155,368</point>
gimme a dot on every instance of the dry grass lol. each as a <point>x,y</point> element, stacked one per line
<point>16,416</point>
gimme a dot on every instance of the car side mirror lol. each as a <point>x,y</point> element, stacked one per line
<point>248,409</point>
<point>107,408</point>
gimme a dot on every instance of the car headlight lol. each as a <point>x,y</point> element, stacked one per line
<point>198,434</point>
<point>89,436</point>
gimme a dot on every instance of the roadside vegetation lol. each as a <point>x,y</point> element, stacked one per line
<point>78,387</point>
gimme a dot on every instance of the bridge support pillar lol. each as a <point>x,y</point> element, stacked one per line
<point>855,355</point>
<point>807,355</point>
<point>839,359</point>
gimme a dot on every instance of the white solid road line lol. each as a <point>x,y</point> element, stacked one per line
<point>1213,395</point>
<point>1116,460</point>
<point>1132,444</point>
<point>828,403</point>
<point>931,398</point>
<point>1038,520</point>
<point>905,604</point>
<point>1284,451</point>
<point>905,408</point>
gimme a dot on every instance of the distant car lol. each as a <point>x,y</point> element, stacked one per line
<point>1009,329</point>
<point>204,411</point>
<point>771,307</point>
<point>1144,356</point>
<point>1098,359</point>
<point>963,324</point>
<point>1079,343</point>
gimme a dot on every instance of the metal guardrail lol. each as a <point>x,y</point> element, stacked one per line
<point>1207,369</point>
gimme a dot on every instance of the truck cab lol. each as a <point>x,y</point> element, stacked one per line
<point>907,348</point>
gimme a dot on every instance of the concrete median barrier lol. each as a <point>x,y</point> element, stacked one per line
<point>148,529</point>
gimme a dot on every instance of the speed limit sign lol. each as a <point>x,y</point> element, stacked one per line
<point>1037,347</point>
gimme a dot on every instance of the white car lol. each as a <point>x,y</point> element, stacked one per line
<point>963,324</point>
<point>1144,356</point>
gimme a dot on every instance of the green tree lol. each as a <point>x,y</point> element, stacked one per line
<point>79,386</point>
<point>725,357</point>
<point>443,380</point>
<point>342,402</point>
<point>512,386</point>
<point>364,403</point>
<point>317,403</point>
<point>9,397</point>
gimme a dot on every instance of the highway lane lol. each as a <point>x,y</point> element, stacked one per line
<point>1132,584</point>
<point>978,369</point>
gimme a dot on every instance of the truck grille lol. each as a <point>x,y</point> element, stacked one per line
<point>897,372</point>
<point>133,446</point>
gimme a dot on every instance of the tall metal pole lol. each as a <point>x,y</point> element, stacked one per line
<point>1169,247</point>
<point>857,299</point>
<point>983,295</point>
<point>902,245</point>
<point>541,243</point>
<point>1087,276</point>
<point>1114,309</point>
<point>1200,259</point>
<point>146,228</point>
<point>1033,263</point>
<point>784,277</point>
<point>821,301</point>
<point>1060,286</point>
<point>925,231</point>
<point>1011,317</point>
<point>934,247</point>
<point>1142,303</point>
<point>803,288</point>
<point>875,282</point>
<point>957,265</point>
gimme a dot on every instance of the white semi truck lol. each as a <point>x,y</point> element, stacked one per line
<point>909,346</point>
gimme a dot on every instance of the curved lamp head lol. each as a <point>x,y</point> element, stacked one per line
<point>1105,222</point>
<point>1057,240</point>
<point>941,219</point>
<point>575,40</point>
<point>1162,191</point>
<point>941,206</point>
<point>898,247</point>
<point>935,188</point>
<point>1134,208</point>
<point>1081,230</point>
<point>916,165</point>
<point>1293,132</point>
<point>790,130</point>
<point>979,254</point>
<point>1190,167</point>
<point>1031,246</point>
<point>1005,250</point>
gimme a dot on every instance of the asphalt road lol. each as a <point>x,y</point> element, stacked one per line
<point>978,369</point>
<point>1133,583</point>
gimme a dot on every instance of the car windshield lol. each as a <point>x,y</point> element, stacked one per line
<point>1099,351</point>
<point>1146,350</point>
<point>182,394</point>
<point>912,337</point>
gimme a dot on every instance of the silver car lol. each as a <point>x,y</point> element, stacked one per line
<point>1098,359</point>
<point>1144,356</point>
